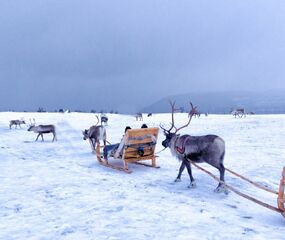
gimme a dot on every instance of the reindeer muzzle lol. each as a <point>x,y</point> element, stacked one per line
<point>165,143</point>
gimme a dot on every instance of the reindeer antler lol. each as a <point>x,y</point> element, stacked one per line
<point>97,120</point>
<point>32,123</point>
<point>191,113</point>
<point>173,110</point>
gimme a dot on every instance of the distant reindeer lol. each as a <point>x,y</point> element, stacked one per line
<point>195,113</point>
<point>43,129</point>
<point>104,119</point>
<point>209,149</point>
<point>239,112</point>
<point>16,123</point>
<point>139,117</point>
<point>149,115</point>
<point>94,134</point>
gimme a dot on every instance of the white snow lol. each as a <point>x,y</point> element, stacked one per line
<point>57,190</point>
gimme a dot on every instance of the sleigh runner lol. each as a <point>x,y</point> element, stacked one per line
<point>138,146</point>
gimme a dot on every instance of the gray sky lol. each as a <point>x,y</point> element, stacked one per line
<point>123,55</point>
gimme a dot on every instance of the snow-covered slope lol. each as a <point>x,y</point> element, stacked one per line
<point>57,190</point>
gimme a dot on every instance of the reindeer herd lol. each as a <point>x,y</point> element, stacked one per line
<point>186,148</point>
<point>40,129</point>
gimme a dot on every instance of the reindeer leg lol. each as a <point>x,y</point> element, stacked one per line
<point>37,137</point>
<point>181,169</point>
<point>192,180</point>
<point>221,187</point>
<point>42,137</point>
<point>222,173</point>
<point>92,144</point>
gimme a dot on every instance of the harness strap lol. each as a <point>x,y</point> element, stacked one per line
<point>180,150</point>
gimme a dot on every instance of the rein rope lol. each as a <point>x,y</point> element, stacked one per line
<point>238,192</point>
<point>160,151</point>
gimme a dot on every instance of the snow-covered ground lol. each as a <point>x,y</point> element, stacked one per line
<point>57,190</point>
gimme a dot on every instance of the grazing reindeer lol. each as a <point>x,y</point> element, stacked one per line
<point>139,117</point>
<point>41,129</point>
<point>209,149</point>
<point>94,134</point>
<point>239,112</point>
<point>16,123</point>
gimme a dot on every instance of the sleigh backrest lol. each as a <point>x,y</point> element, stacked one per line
<point>140,143</point>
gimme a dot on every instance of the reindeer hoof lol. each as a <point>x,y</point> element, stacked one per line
<point>177,180</point>
<point>192,185</point>
<point>221,189</point>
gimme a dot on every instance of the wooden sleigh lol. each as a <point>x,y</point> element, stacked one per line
<point>281,197</point>
<point>138,146</point>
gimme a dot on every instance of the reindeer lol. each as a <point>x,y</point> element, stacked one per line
<point>104,119</point>
<point>239,112</point>
<point>41,129</point>
<point>195,113</point>
<point>139,117</point>
<point>16,123</point>
<point>208,148</point>
<point>94,134</point>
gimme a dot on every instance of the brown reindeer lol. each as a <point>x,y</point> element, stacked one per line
<point>208,148</point>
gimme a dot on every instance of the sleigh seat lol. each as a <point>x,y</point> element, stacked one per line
<point>138,146</point>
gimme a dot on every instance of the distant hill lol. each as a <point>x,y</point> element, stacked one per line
<point>223,102</point>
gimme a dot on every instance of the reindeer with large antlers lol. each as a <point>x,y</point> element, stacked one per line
<point>208,148</point>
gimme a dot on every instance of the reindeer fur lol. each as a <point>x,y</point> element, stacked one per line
<point>16,123</point>
<point>209,149</point>
<point>41,129</point>
<point>95,134</point>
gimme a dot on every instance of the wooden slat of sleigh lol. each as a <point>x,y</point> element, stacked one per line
<point>140,136</point>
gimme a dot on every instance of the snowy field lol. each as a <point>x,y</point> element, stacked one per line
<point>57,190</point>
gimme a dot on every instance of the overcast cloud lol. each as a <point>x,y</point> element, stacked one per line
<point>123,55</point>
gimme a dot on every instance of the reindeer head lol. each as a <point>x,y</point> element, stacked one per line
<point>168,134</point>
<point>31,125</point>
<point>166,142</point>
<point>22,121</point>
<point>85,134</point>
